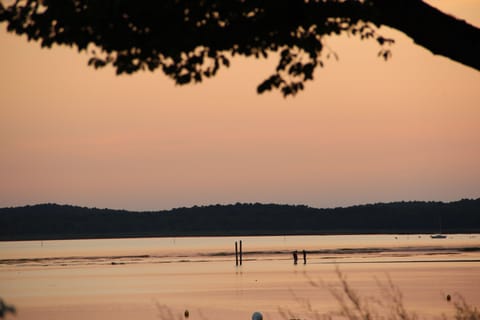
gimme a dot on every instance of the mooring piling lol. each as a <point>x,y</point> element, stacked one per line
<point>238,254</point>
<point>241,253</point>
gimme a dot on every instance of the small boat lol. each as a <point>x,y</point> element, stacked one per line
<point>439,235</point>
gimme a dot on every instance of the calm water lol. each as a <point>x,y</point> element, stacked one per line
<point>214,248</point>
<point>146,278</point>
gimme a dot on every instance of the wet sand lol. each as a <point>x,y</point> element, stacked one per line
<point>150,286</point>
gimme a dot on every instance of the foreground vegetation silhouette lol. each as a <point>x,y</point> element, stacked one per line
<point>353,306</point>
<point>191,40</point>
<point>390,305</point>
<point>6,309</point>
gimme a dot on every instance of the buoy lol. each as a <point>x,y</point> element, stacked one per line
<point>257,316</point>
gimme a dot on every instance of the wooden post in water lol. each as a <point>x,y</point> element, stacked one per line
<point>236,254</point>
<point>241,253</point>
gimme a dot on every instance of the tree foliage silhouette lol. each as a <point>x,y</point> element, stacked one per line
<point>190,40</point>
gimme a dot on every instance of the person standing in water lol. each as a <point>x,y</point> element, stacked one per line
<point>304,256</point>
<point>295,257</point>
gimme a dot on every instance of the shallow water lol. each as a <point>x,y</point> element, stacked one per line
<point>215,248</point>
<point>146,278</point>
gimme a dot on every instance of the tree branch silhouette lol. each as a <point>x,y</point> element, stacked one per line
<point>190,40</point>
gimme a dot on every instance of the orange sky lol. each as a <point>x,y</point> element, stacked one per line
<point>364,131</point>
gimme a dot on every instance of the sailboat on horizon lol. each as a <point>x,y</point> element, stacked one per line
<point>439,235</point>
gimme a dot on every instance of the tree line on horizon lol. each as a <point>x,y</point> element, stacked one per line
<point>53,221</point>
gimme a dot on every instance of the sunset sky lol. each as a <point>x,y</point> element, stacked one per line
<point>364,131</point>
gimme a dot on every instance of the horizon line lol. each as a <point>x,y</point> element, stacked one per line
<point>239,204</point>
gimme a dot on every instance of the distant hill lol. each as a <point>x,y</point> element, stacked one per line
<point>52,221</point>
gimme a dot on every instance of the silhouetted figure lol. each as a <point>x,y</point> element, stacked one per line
<point>295,257</point>
<point>304,257</point>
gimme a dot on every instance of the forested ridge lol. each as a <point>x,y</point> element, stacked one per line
<point>53,221</point>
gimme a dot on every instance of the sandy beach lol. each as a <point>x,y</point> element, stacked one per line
<point>210,286</point>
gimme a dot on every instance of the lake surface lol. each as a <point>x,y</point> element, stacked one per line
<point>149,278</point>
